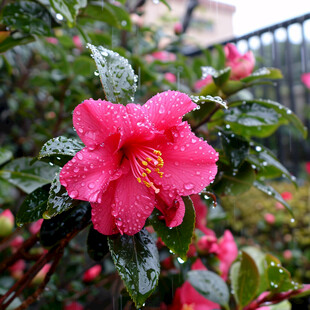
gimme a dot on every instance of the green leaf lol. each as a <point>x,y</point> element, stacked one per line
<point>235,182</point>
<point>68,8</point>
<point>235,147</point>
<point>284,114</point>
<point>54,230</point>
<point>82,65</point>
<point>220,77</point>
<point>58,200</point>
<point>247,282</point>
<point>263,73</point>
<point>206,99</point>
<point>97,244</point>
<point>116,75</point>
<point>5,155</point>
<point>33,207</point>
<point>251,119</point>
<point>209,285</point>
<point>10,42</point>
<point>283,305</point>
<point>136,260</point>
<point>28,17</point>
<point>26,175</point>
<point>267,165</point>
<point>177,239</point>
<point>270,191</point>
<point>60,150</point>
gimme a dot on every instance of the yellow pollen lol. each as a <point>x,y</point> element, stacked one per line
<point>157,152</point>
<point>160,174</point>
<point>144,163</point>
<point>157,170</point>
<point>148,170</point>
<point>143,175</point>
<point>148,159</point>
<point>147,184</point>
<point>159,165</point>
<point>139,180</point>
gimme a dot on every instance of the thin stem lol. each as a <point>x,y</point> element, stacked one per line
<point>206,119</point>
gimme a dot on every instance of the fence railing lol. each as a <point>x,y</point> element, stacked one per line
<point>286,46</point>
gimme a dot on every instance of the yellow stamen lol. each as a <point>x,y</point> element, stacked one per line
<point>147,184</point>
<point>148,159</point>
<point>143,175</point>
<point>160,174</point>
<point>144,163</point>
<point>157,152</point>
<point>148,170</point>
<point>139,180</point>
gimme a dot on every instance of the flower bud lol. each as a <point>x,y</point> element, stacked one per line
<point>178,28</point>
<point>287,254</point>
<point>6,223</point>
<point>35,226</point>
<point>269,218</point>
<point>41,274</point>
<point>17,269</point>
<point>92,273</point>
<point>73,306</point>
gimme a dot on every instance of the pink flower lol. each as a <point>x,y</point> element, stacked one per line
<point>241,65</point>
<point>6,223</point>
<point>137,19</point>
<point>187,298</point>
<point>163,56</point>
<point>17,269</point>
<point>287,254</point>
<point>227,253</point>
<point>287,196</point>
<point>92,273</point>
<point>16,243</point>
<point>137,158</point>
<point>77,42</point>
<point>207,244</point>
<point>269,218</point>
<point>202,83</point>
<point>170,77</point>
<point>305,78</point>
<point>279,206</point>
<point>35,226</point>
<point>308,167</point>
<point>52,40</point>
<point>178,28</point>
<point>41,274</point>
<point>73,306</point>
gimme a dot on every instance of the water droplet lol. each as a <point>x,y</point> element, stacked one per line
<point>46,216</point>
<point>162,109</point>
<point>91,185</point>
<point>180,260</point>
<point>79,156</point>
<point>189,186</point>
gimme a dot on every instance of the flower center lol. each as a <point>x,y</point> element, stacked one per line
<point>145,161</point>
<point>188,307</point>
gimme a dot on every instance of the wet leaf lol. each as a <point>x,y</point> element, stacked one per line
<point>60,150</point>
<point>5,155</point>
<point>68,8</point>
<point>26,175</point>
<point>58,200</point>
<point>83,65</point>
<point>97,244</point>
<point>210,286</point>
<point>136,260</point>
<point>283,305</point>
<point>206,99</point>
<point>220,77</point>
<point>54,230</point>
<point>263,73</point>
<point>116,75</point>
<point>246,284</point>
<point>235,182</point>
<point>177,239</point>
<point>10,42</point>
<point>29,18</point>
<point>33,207</point>
<point>271,192</point>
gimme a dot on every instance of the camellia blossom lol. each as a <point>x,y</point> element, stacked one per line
<point>305,78</point>
<point>92,273</point>
<point>137,158</point>
<point>241,65</point>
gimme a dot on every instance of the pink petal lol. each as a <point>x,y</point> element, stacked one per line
<point>171,205</point>
<point>198,265</point>
<point>189,162</point>
<point>166,109</point>
<point>89,172</point>
<point>134,203</point>
<point>95,120</point>
<point>102,217</point>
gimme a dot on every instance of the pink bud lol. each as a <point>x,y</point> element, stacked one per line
<point>279,206</point>
<point>77,42</point>
<point>17,269</point>
<point>287,254</point>
<point>287,196</point>
<point>178,28</point>
<point>308,167</point>
<point>202,83</point>
<point>52,40</point>
<point>269,218</point>
<point>17,242</point>
<point>92,273</point>
<point>36,226</point>
<point>41,274</point>
<point>170,77</point>
<point>305,78</point>
<point>73,306</point>
<point>6,223</point>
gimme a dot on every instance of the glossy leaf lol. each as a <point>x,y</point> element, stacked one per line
<point>68,8</point>
<point>220,77</point>
<point>5,155</point>
<point>235,182</point>
<point>206,99</point>
<point>247,282</point>
<point>284,305</point>
<point>31,18</point>
<point>177,239</point>
<point>58,200</point>
<point>136,260</point>
<point>11,41</point>
<point>83,65</point>
<point>54,230</point>
<point>235,147</point>
<point>116,75</point>
<point>33,207</point>
<point>60,150</point>
<point>263,73</point>
<point>97,244</point>
<point>26,175</point>
<point>271,192</point>
<point>209,285</point>
<point>253,120</point>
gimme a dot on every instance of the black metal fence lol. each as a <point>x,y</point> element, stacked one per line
<point>285,46</point>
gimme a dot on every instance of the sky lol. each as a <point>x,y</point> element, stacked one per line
<point>251,15</point>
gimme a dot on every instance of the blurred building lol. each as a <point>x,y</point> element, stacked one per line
<point>211,21</point>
